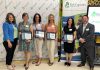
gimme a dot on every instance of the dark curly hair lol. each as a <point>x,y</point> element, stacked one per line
<point>73,25</point>
<point>34,20</point>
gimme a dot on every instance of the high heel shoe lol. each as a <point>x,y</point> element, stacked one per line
<point>38,63</point>
<point>66,63</point>
<point>69,64</point>
<point>13,66</point>
<point>26,67</point>
<point>50,64</point>
<point>35,62</point>
<point>25,64</point>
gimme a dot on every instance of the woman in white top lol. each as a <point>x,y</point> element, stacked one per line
<point>38,27</point>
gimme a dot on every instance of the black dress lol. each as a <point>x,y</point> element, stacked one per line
<point>69,47</point>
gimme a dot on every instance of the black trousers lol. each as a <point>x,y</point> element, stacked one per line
<point>87,53</point>
<point>10,51</point>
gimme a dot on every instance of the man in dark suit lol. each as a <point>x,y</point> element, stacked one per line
<point>85,34</point>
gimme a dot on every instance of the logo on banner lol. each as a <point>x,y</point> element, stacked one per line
<point>95,14</point>
<point>69,4</point>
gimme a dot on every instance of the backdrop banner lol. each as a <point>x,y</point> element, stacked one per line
<point>74,9</point>
<point>17,7</point>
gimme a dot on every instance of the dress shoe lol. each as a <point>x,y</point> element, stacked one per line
<point>80,65</point>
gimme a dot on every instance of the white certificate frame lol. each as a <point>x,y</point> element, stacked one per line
<point>26,36</point>
<point>51,36</point>
<point>39,34</point>
<point>68,37</point>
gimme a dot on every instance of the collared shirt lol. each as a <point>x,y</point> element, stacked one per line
<point>84,26</point>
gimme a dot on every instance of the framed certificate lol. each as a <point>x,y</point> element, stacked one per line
<point>26,35</point>
<point>39,34</point>
<point>68,37</point>
<point>65,37</point>
<point>51,36</point>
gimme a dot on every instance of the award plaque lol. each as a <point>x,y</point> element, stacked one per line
<point>51,36</point>
<point>39,34</point>
<point>68,37</point>
<point>26,35</point>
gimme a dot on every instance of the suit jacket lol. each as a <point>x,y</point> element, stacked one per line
<point>88,35</point>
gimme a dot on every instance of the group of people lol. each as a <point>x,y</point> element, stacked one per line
<point>85,34</point>
<point>29,36</point>
<point>32,35</point>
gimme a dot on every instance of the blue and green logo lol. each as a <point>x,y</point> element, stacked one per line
<point>70,4</point>
<point>94,14</point>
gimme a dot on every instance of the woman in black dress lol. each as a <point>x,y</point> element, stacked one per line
<point>69,37</point>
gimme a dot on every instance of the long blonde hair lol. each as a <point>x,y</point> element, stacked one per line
<point>49,18</point>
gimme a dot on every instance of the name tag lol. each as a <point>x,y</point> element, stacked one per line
<point>70,29</point>
<point>51,36</point>
<point>26,36</point>
<point>39,34</point>
<point>87,29</point>
<point>27,26</point>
